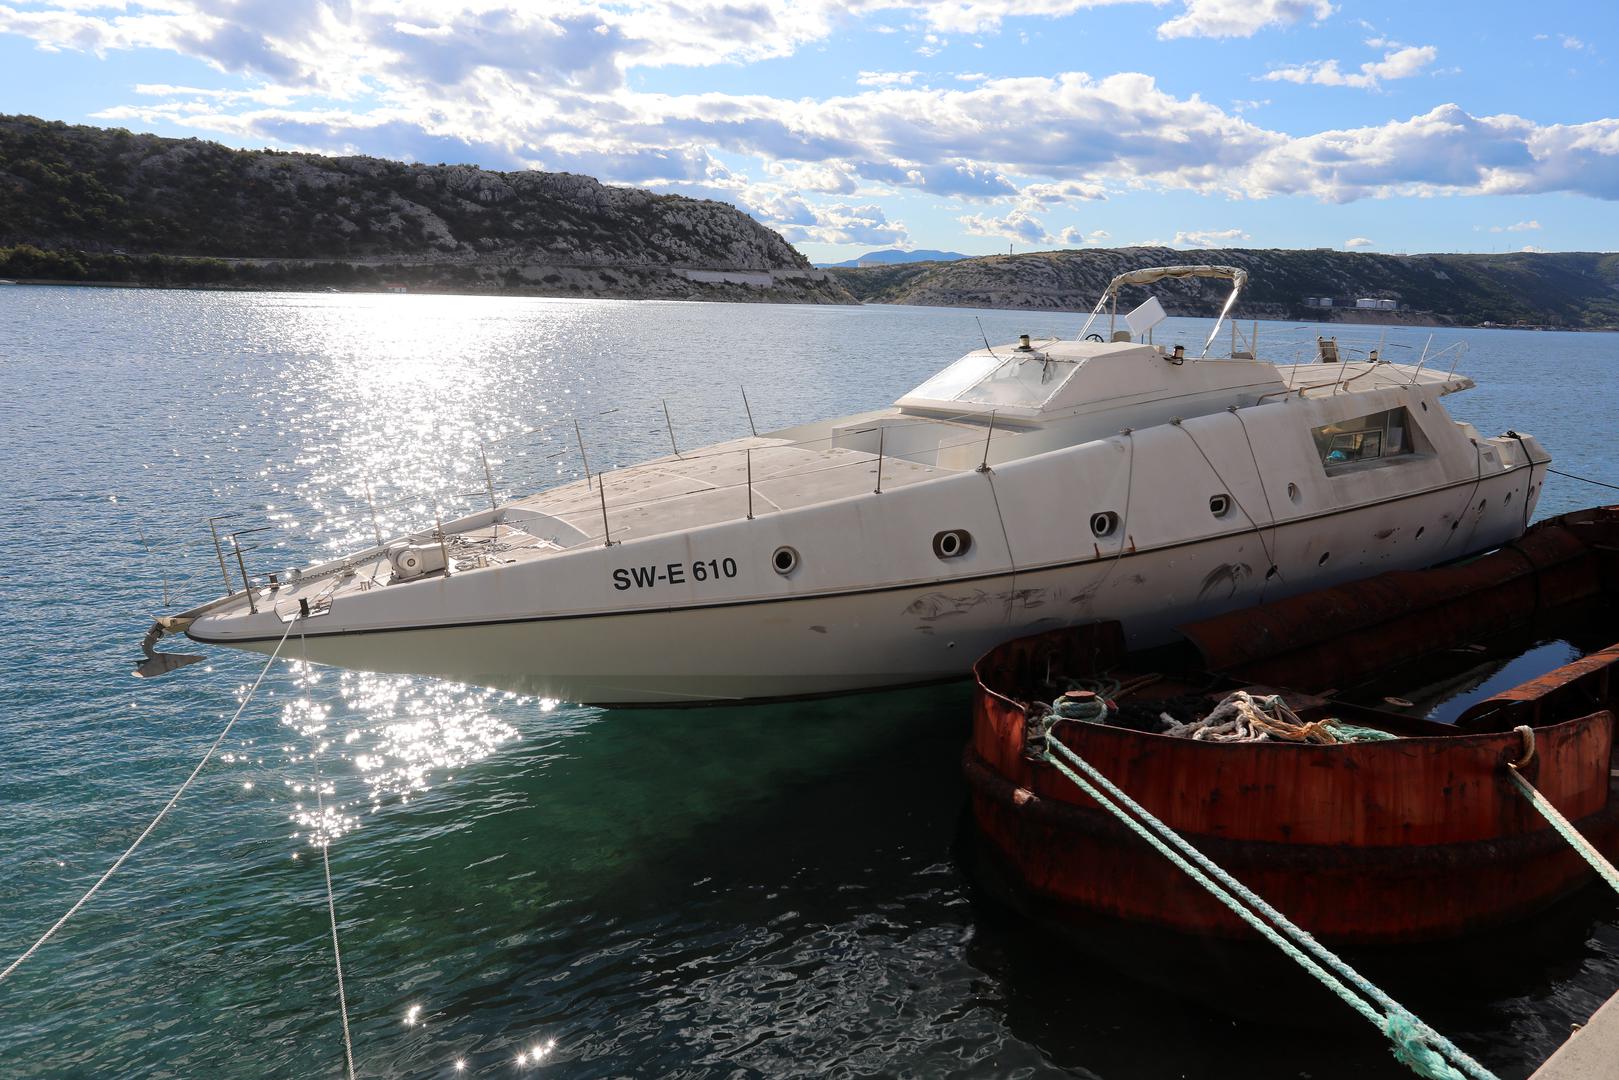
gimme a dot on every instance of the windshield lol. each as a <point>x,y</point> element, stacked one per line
<point>1023,379</point>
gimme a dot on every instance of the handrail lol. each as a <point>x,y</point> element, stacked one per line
<point>1146,276</point>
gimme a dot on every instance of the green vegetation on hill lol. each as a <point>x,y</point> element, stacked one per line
<point>1566,289</point>
<point>84,203</point>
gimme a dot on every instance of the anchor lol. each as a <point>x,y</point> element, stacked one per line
<point>161,663</point>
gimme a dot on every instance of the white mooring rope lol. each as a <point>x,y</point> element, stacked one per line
<point>47,935</point>
<point>331,903</point>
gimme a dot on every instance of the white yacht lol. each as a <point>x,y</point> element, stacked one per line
<point>1025,486</point>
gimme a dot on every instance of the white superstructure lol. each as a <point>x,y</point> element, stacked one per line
<point>1023,487</point>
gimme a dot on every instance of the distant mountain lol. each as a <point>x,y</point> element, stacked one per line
<point>895,255</point>
<point>92,204</point>
<point>1573,289</point>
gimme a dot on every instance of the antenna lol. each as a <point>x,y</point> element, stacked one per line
<point>985,336</point>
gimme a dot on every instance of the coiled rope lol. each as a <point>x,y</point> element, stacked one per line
<point>1417,1045</point>
<point>111,870</point>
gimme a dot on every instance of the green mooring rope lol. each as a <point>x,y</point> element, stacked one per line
<point>1417,1045</point>
<point>1565,828</point>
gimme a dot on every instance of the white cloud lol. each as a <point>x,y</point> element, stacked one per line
<point>1532,249</point>
<point>1572,42</point>
<point>834,177</point>
<point>1017,224</point>
<point>1044,196</point>
<point>264,95</point>
<point>887,78</point>
<point>1074,236</point>
<point>1521,226</point>
<point>1208,238</point>
<point>1446,150</point>
<point>1399,64</point>
<point>1240,18</point>
<point>839,223</point>
<point>1354,243</point>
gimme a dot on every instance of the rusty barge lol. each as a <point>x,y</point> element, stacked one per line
<point>1421,837</point>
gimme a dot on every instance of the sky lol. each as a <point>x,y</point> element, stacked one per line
<point>970,125</point>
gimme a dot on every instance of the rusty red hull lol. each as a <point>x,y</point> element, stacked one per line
<point>1419,839</point>
<point>1330,637</point>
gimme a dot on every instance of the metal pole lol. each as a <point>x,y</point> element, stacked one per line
<point>376,530</point>
<point>1424,359</point>
<point>582,456</point>
<point>983,466</point>
<point>749,453</point>
<point>147,545</point>
<point>220,555</point>
<point>880,433</point>
<point>749,410</point>
<point>444,552</point>
<point>607,535</point>
<point>670,424</point>
<point>247,586</point>
<point>488,478</point>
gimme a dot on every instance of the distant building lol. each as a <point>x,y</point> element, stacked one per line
<point>1318,301</point>
<point>394,287</point>
<point>1377,304</point>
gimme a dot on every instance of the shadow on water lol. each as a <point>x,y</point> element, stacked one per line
<point>792,889</point>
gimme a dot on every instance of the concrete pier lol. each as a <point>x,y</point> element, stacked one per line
<point>1591,1053</point>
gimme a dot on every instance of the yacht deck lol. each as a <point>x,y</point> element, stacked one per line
<point>711,485</point>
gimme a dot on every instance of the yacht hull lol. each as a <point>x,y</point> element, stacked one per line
<point>855,640</point>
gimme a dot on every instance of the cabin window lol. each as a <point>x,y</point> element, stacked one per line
<point>1365,438</point>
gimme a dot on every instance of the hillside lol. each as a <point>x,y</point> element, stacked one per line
<point>1566,289</point>
<point>91,203</point>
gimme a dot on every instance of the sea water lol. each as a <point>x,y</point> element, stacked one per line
<point>526,886</point>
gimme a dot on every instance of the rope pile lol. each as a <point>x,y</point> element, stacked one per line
<point>1242,718</point>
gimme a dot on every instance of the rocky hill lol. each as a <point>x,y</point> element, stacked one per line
<point>1566,289</point>
<point>91,203</point>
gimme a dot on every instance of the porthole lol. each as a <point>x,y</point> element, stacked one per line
<point>1220,505</point>
<point>952,543</point>
<point>1322,561</point>
<point>1104,524</point>
<point>1293,492</point>
<point>785,560</point>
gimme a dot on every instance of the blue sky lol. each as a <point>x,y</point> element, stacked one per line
<point>967,124</point>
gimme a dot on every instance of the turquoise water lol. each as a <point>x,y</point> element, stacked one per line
<point>753,891</point>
